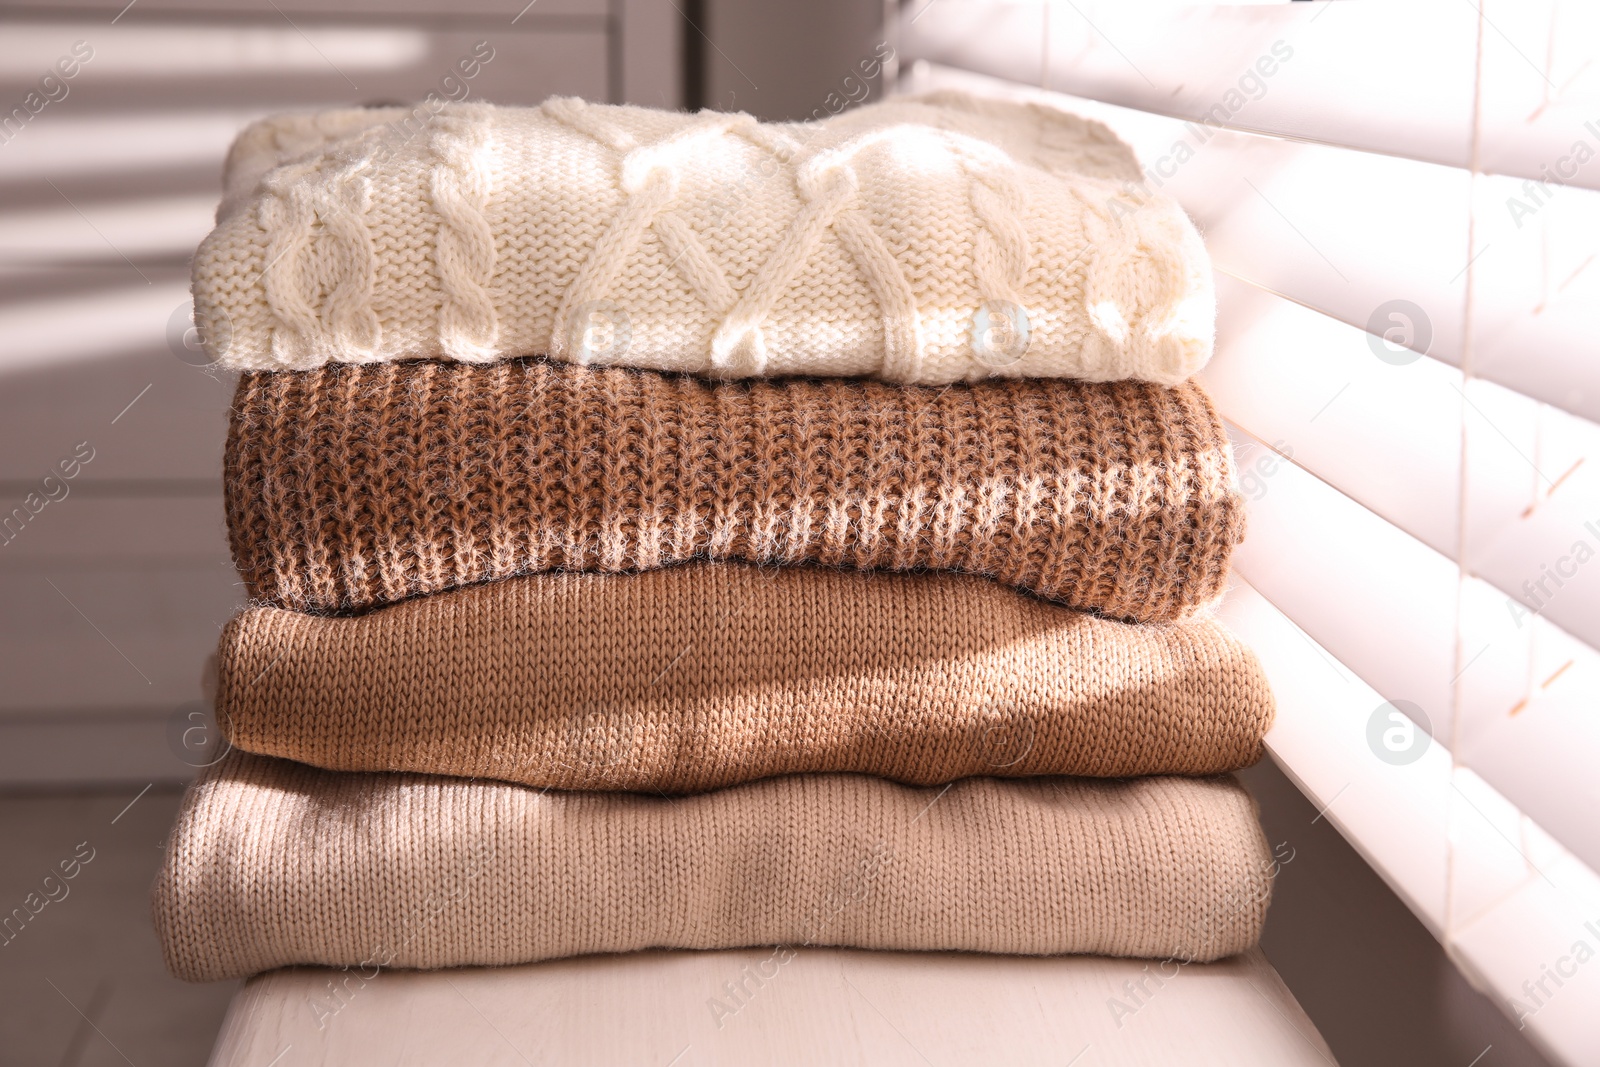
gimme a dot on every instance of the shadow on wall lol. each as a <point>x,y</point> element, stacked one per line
<point>82,980</point>
<point>791,61</point>
<point>1374,980</point>
<point>114,571</point>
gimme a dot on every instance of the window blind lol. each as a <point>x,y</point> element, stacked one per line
<point>1410,234</point>
<point>1402,204</point>
<point>1407,74</point>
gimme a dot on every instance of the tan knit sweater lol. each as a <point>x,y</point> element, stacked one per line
<point>273,863</point>
<point>706,675</point>
<point>919,240</point>
<point>356,485</point>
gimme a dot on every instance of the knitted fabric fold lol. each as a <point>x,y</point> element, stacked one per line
<point>935,239</point>
<point>353,486</point>
<point>273,863</point>
<point>707,675</point>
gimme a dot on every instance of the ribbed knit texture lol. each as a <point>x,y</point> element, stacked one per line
<point>920,240</point>
<point>706,675</point>
<point>273,863</point>
<point>352,486</point>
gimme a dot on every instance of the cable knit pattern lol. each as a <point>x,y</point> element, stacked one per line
<point>887,241</point>
<point>706,675</point>
<point>464,252</point>
<point>273,864</point>
<point>353,486</point>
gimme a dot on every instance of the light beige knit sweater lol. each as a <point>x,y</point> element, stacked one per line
<point>933,239</point>
<point>705,675</point>
<point>273,863</point>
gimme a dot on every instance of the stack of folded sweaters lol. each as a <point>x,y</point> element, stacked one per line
<point>676,531</point>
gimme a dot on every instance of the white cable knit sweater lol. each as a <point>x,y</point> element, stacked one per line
<point>934,239</point>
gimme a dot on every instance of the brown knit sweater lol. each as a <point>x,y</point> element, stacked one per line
<point>708,674</point>
<point>273,863</point>
<point>353,486</point>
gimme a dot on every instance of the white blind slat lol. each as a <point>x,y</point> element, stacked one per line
<point>1306,540</point>
<point>1389,436</point>
<point>1319,740</point>
<point>1313,386</point>
<point>1536,306</point>
<point>1393,78</point>
<point>1394,624</point>
<point>1505,898</point>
